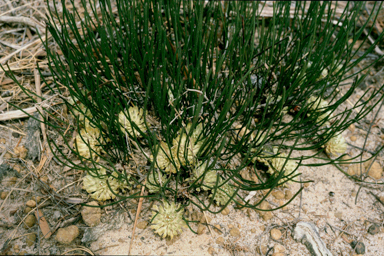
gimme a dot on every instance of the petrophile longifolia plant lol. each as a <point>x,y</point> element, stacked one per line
<point>184,96</point>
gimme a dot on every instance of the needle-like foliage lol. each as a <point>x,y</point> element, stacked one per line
<point>188,94</point>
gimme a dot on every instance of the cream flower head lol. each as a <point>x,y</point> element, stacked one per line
<point>167,221</point>
<point>223,193</point>
<point>209,180</point>
<point>154,182</point>
<point>318,104</point>
<point>336,145</point>
<point>136,116</point>
<point>166,159</point>
<point>88,140</point>
<point>98,186</point>
<point>186,147</point>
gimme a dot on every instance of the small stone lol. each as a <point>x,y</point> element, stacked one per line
<point>30,239</point>
<point>196,216</point>
<point>356,169</point>
<point>4,194</point>
<point>339,215</point>
<point>230,226</point>
<point>217,228</point>
<point>352,127</point>
<point>220,240</point>
<point>67,235</point>
<point>353,138</point>
<point>7,155</point>
<point>31,203</point>
<point>278,254</point>
<point>27,210</point>
<point>262,249</point>
<point>267,216</point>
<point>211,250</point>
<point>204,219</point>
<point>288,194</point>
<point>225,211</point>
<point>91,215</point>
<point>375,171</point>
<point>278,194</point>
<point>275,234</point>
<point>306,184</point>
<point>23,253</point>
<point>21,152</point>
<point>359,247</point>
<point>374,229</point>
<point>200,229</point>
<point>346,160</point>
<point>253,230</point>
<point>235,232</point>
<point>29,221</point>
<point>2,141</point>
<point>142,224</point>
<point>278,248</point>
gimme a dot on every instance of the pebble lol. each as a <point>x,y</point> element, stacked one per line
<point>339,215</point>
<point>234,232</point>
<point>346,160</point>
<point>196,216</point>
<point>4,194</point>
<point>204,219</point>
<point>91,215</point>
<point>262,249</point>
<point>225,211</point>
<point>27,209</point>
<point>278,254</point>
<point>278,194</point>
<point>142,224</point>
<point>200,229</point>
<point>288,194</point>
<point>30,239</point>
<point>353,138</point>
<point>31,203</point>
<point>253,230</point>
<point>374,229</point>
<point>359,247</point>
<point>275,234</point>
<point>278,248</point>
<point>2,141</point>
<point>230,226</point>
<point>211,250</point>
<point>67,235</point>
<point>21,152</point>
<point>352,127</point>
<point>217,228</point>
<point>354,169</point>
<point>220,240</point>
<point>29,221</point>
<point>375,171</point>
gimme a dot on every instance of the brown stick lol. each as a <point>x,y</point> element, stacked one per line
<point>137,216</point>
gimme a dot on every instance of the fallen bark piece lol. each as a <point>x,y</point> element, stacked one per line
<point>308,234</point>
<point>44,226</point>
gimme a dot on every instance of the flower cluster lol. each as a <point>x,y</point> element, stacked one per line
<point>98,186</point>
<point>223,193</point>
<point>184,150</point>
<point>88,141</point>
<point>167,222</point>
<point>132,115</point>
<point>336,145</point>
<point>206,178</point>
<point>154,182</point>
